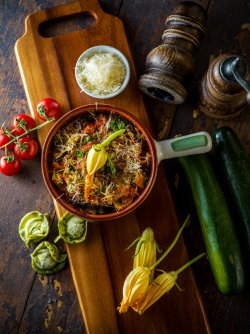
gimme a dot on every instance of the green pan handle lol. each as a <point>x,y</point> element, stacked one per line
<point>196,143</point>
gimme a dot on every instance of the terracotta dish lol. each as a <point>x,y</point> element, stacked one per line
<point>185,145</point>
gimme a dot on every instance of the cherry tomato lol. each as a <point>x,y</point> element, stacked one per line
<point>48,108</point>
<point>26,148</point>
<point>10,164</point>
<point>5,138</point>
<point>20,122</point>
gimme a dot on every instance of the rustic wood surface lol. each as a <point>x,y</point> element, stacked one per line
<point>34,304</point>
<point>100,265</point>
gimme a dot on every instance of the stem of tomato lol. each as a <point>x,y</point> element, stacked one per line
<point>27,132</point>
<point>42,112</point>
<point>8,157</point>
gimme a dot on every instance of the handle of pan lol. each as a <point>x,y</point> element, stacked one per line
<point>196,143</point>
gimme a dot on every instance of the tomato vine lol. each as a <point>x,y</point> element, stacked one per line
<point>17,144</point>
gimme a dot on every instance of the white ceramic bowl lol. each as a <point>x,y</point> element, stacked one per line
<point>98,49</point>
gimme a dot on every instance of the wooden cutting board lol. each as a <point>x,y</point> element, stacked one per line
<point>100,265</point>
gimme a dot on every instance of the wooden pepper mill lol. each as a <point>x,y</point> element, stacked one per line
<point>223,87</point>
<point>171,63</point>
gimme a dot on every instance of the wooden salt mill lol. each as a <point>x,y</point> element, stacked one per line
<point>171,63</point>
<point>223,87</point>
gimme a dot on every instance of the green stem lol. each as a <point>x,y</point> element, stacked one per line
<point>26,132</point>
<point>57,238</point>
<point>189,263</point>
<point>12,136</point>
<point>42,112</point>
<point>133,243</point>
<point>111,165</point>
<point>173,243</point>
<point>112,137</point>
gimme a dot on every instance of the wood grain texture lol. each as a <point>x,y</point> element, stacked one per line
<point>99,266</point>
<point>171,63</point>
<point>230,34</point>
<point>36,305</point>
<point>144,33</point>
<point>24,296</point>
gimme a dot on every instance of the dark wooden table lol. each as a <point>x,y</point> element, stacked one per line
<point>30,303</point>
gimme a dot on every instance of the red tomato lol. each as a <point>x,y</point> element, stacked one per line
<point>48,108</point>
<point>10,165</point>
<point>26,148</point>
<point>4,139</point>
<point>20,122</point>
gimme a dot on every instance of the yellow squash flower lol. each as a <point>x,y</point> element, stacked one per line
<point>161,285</point>
<point>145,252</point>
<point>134,288</point>
<point>140,291</point>
<point>96,159</point>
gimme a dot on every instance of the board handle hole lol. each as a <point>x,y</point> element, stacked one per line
<point>66,24</point>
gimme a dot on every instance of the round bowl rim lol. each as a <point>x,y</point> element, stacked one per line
<point>110,49</point>
<point>70,116</point>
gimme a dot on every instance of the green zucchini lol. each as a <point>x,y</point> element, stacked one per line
<point>222,245</point>
<point>234,166</point>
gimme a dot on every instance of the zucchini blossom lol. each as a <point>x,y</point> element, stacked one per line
<point>134,288</point>
<point>146,248</point>
<point>145,253</point>
<point>161,285</point>
<point>140,289</point>
<point>96,159</point>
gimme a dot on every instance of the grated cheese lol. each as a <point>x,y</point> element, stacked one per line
<point>102,73</point>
